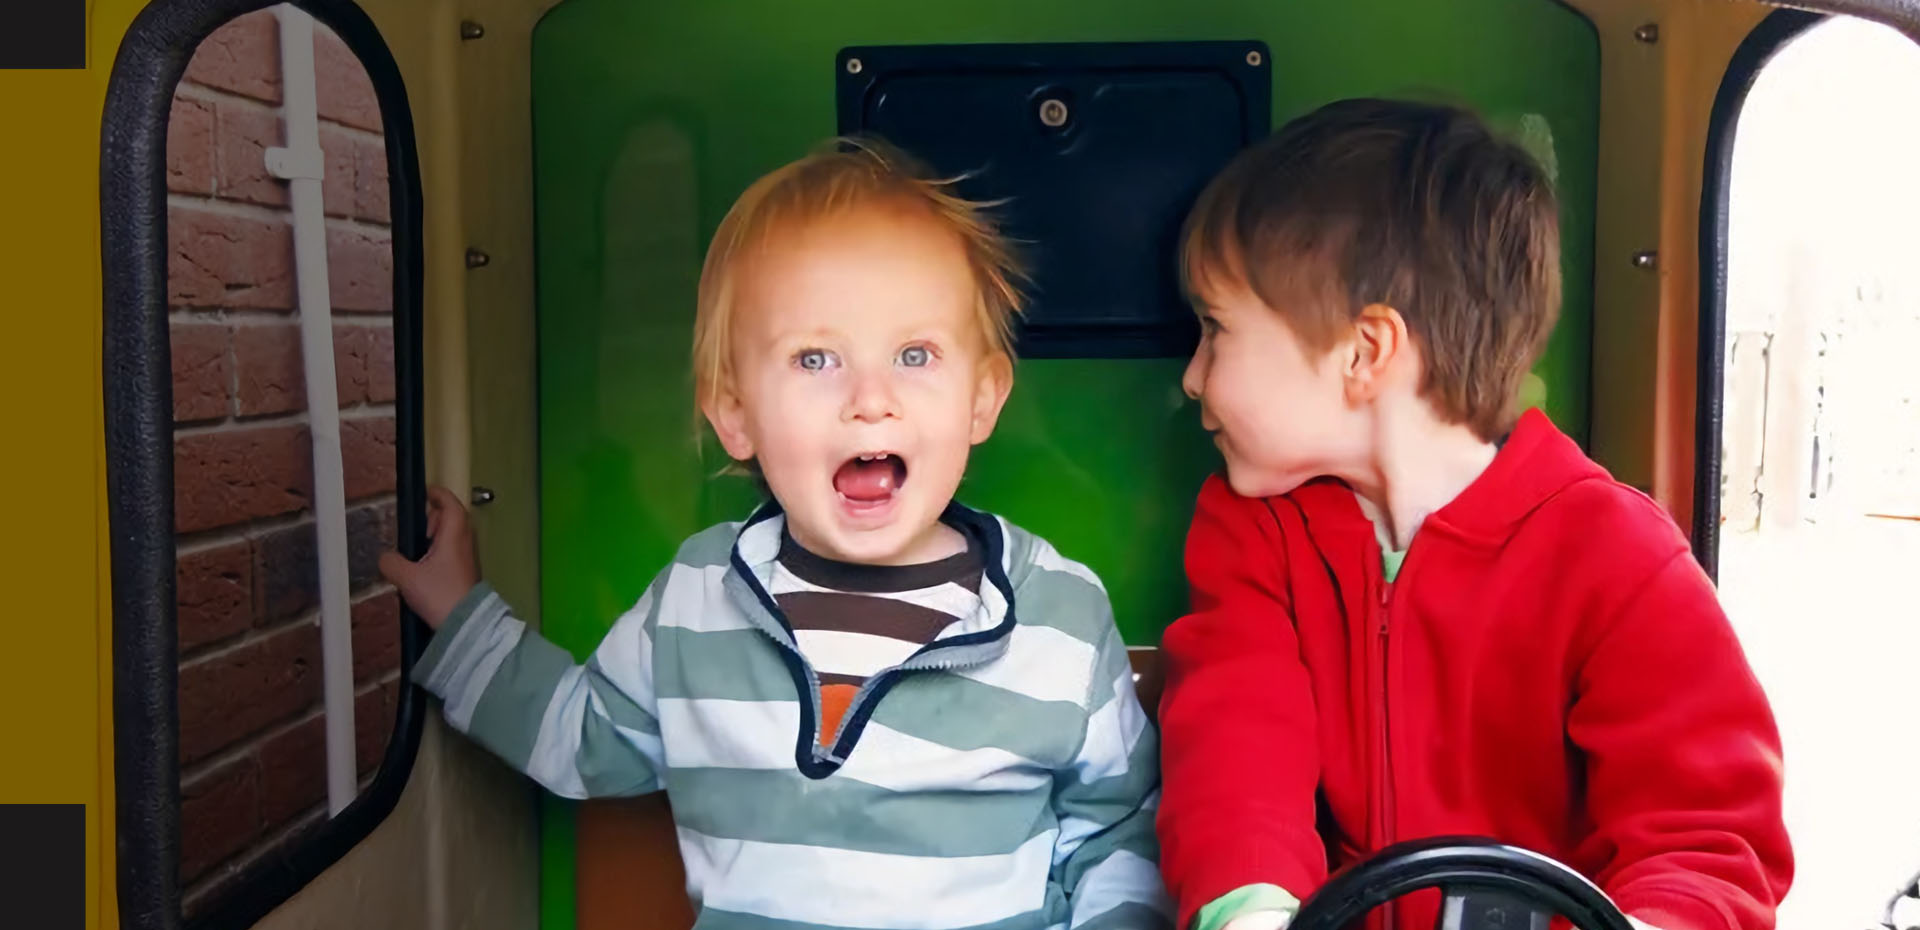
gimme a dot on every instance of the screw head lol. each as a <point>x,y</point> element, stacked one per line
<point>478,259</point>
<point>1646,260</point>
<point>471,30</point>
<point>1053,113</point>
<point>1255,59</point>
<point>1649,33</point>
<point>481,496</point>
<point>854,66</point>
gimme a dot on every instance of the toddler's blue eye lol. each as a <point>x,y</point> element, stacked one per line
<point>915,356</point>
<point>813,359</point>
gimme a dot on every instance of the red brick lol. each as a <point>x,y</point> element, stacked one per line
<point>341,83</point>
<point>199,897</point>
<point>217,259</point>
<point>246,132</point>
<point>373,719</point>
<point>363,364</point>
<point>367,454</point>
<point>380,372</point>
<point>219,815</point>
<point>230,695</point>
<point>202,371</point>
<point>360,270</point>
<point>286,565</point>
<point>227,477</point>
<point>339,191</point>
<point>286,573</point>
<point>242,56</point>
<point>370,176</point>
<point>293,772</point>
<point>215,593</point>
<point>351,345</point>
<point>272,373</point>
<point>272,378</point>
<point>370,532</point>
<point>376,637</point>
<point>190,147</point>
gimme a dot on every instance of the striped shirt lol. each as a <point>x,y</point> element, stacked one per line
<point>853,621</point>
<point>1001,777</point>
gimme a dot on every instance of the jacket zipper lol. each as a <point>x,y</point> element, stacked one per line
<point>1383,776</point>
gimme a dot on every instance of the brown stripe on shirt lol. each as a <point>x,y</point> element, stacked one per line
<point>856,601</point>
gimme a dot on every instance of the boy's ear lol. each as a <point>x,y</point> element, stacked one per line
<point>1380,350</point>
<point>992,384</point>
<point>729,419</point>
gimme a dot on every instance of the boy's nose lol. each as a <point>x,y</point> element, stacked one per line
<point>1194,379</point>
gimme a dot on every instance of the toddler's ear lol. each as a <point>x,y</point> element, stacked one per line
<point>992,383</point>
<point>729,420</point>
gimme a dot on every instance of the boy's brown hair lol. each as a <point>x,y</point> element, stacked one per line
<point>846,174</point>
<point>1414,206</point>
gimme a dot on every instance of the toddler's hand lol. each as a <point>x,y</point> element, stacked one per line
<point>436,583</point>
<point>1259,920</point>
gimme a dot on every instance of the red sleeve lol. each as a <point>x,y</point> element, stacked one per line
<point>1240,761</point>
<point>1683,762</point>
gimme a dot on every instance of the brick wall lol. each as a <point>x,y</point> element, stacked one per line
<point>252,737</point>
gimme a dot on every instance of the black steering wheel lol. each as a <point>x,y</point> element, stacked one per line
<point>1482,884</point>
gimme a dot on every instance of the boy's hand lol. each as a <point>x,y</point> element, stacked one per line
<point>436,583</point>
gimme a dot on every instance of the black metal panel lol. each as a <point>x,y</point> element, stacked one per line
<point>1098,150</point>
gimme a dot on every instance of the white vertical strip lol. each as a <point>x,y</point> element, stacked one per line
<point>301,163</point>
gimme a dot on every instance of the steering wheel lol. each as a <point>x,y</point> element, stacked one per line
<point>1482,884</point>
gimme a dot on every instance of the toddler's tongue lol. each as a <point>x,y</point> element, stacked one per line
<point>868,481</point>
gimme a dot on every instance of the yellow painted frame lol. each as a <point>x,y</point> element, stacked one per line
<point>472,110</point>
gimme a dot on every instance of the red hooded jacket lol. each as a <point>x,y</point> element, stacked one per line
<point>1551,668</point>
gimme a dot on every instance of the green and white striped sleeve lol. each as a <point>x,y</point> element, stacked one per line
<point>581,730</point>
<point>1106,800</point>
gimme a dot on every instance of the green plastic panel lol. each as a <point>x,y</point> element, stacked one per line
<point>650,117</point>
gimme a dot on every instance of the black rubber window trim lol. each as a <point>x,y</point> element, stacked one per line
<point>137,383</point>
<point>1765,41</point>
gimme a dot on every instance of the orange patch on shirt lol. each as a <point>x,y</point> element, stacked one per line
<point>833,706</point>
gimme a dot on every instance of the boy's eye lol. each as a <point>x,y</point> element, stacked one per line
<point>815,360</point>
<point>1209,325</point>
<point>915,356</point>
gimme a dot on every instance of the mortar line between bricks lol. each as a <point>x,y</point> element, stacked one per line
<point>201,653</point>
<point>232,424</point>
<point>204,93</point>
<point>204,767</point>
<point>258,849</point>
<point>214,537</point>
<point>213,313</point>
<point>254,634</point>
<point>190,89</point>
<point>254,316</point>
<point>270,214</point>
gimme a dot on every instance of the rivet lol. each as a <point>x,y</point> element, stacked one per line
<point>478,259</point>
<point>481,496</point>
<point>1255,59</point>
<point>1649,33</point>
<point>471,30</point>
<point>1053,113</point>
<point>854,66</point>
<point>1646,260</point>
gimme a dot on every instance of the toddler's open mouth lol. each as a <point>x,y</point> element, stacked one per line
<point>870,479</point>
